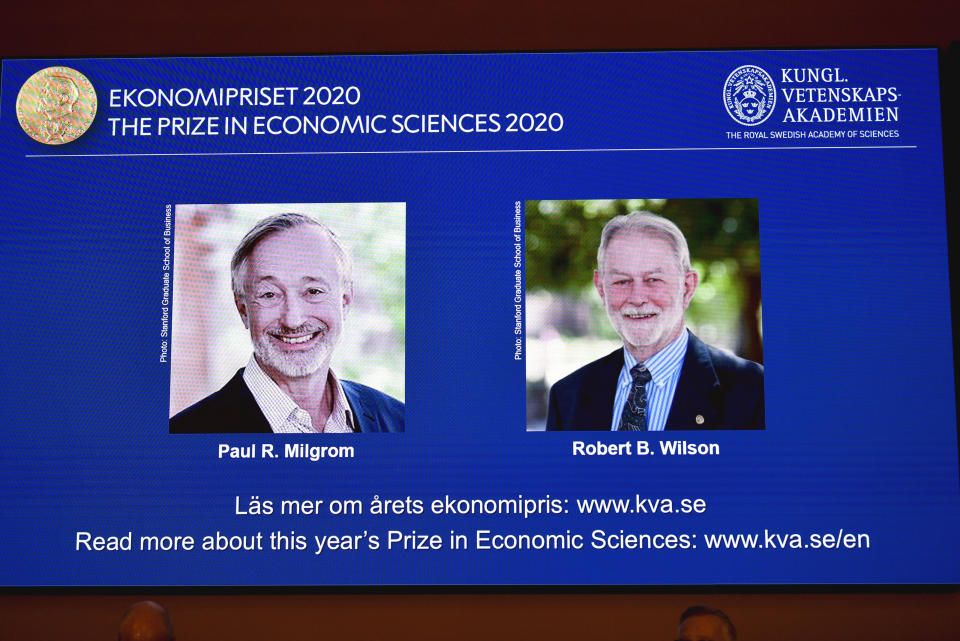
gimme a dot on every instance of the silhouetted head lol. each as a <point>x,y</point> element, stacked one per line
<point>146,621</point>
<point>700,623</point>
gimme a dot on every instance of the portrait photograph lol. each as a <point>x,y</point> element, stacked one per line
<point>643,315</point>
<point>288,318</point>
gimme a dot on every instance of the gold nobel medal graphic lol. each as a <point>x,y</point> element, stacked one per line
<point>56,105</point>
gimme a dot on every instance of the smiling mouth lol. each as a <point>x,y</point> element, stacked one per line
<point>643,316</point>
<point>295,340</point>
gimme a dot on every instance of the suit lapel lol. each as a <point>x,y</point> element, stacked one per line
<point>696,401</point>
<point>245,409</point>
<point>595,409</point>
<point>365,418</point>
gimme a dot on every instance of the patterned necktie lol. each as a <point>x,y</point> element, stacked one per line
<point>634,416</point>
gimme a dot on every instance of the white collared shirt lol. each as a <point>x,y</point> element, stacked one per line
<point>285,416</point>
<point>664,367</point>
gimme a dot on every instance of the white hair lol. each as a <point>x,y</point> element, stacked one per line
<point>271,225</point>
<point>651,225</point>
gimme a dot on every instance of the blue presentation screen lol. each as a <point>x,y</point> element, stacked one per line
<point>579,319</point>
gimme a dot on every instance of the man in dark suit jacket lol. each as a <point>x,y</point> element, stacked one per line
<point>674,380</point>
<point>233,409</point>
<point>715,391</point>
<point>292,286</point>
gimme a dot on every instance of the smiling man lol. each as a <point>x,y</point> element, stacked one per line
<point>291,279</point>
<point>664,377</point>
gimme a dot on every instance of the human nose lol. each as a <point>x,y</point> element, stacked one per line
<point>639,292</point>
<point>293,313</point>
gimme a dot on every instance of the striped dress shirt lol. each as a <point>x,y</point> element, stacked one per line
<point>664,367</point>
<point>284,416</point>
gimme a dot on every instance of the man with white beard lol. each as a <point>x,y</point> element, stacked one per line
<point>664,377</point>
<point>292,285</point>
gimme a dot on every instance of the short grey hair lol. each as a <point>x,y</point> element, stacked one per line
<point>645,223</point>
<point>272,225</point>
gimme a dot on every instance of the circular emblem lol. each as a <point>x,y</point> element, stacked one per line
<point>56,105</point>
<point>749,95</point>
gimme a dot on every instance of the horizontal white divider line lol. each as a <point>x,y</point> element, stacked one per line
<point>460,151</point>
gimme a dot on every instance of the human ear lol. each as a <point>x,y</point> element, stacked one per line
<point>242,308</point>
<point>598,283</point>
<point>690,282</point>
<point>347,296</point>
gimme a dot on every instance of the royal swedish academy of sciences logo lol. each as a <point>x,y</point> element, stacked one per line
<point>749,95</point>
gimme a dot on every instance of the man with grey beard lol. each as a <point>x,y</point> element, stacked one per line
<point>664,377</point>
<point>291,280</point>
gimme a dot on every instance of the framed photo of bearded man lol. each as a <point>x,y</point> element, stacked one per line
<point>288,318</point>
<point>643,315</point>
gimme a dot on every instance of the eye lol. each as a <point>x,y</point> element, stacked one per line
<point>268,298</point>
<point>621,282</point>
<point>314,293</point>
